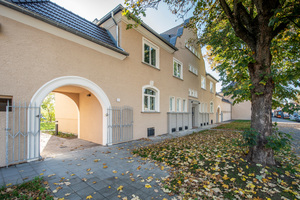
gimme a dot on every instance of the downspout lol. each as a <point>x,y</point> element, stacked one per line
<point>117,28</point>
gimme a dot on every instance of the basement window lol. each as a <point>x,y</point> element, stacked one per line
<point>150,131</point>
<point>4,101</point>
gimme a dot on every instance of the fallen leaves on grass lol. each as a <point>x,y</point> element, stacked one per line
<point>30,190</point>
<point>208,165</point>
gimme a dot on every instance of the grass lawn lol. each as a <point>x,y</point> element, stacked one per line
<point>63,135</point>
<point>239,125</point>
<point>30,190</point>
<point>206,165</point>
<point>47,126</point>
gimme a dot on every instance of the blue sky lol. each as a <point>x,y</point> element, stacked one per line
<point>159,20</point>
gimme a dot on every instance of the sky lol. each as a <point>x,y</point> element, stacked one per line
<point>159,20</point>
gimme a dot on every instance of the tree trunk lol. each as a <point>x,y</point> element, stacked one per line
<point>261,98</point>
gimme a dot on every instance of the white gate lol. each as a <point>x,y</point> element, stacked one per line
<point>120,124</point>
<point>22,133</point>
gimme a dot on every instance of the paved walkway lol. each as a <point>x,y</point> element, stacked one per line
<point>98,171</point>
<point>291,127</point>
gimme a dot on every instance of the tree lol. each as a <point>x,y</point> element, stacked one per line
<point>48,107</point>
<point>254,44</point>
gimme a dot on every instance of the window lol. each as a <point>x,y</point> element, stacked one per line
<point>178,105</point>
<point>193,70</point>
<point>192,49</point>
<point>193,93</point>
<point>172,104</point>
<point>5,101</point>
<point>184,105</point>
<point>211,107</point>
<point>211,87</point>
<point>177,68</point>
<point>150,53</point>
<point>150,100</point>
<point>203,82</point>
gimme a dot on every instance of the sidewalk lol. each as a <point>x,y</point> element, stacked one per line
<point>98,171</point>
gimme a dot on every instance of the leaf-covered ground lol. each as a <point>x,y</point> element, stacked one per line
<point>30,190</point>
<point>206,165</point>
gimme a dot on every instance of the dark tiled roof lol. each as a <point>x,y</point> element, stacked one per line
<point>175,32</point>
<point>119,8</point>
<point>60,15</point>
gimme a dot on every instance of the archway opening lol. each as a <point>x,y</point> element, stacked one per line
<point>92,104</point>
<point>76,116</point>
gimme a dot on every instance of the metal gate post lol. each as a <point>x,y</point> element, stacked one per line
<point>6,131</point>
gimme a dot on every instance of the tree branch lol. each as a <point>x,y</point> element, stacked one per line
<point>279,28</point>
<point>237,24</point>
<point>242,14</point>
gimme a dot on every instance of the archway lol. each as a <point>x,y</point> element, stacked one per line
<point>74,81</point>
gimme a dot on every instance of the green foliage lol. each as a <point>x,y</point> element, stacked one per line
<point>249,138</point>
<point>47,126</point>
<point>290,108</point>
<point>48,108</point>
<point>279,140</point>
<point>230,56</point>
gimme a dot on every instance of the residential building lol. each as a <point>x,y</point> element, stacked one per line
<point>126,84</point>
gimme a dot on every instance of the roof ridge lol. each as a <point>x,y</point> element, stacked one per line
<point>45,1</point>
<point>28,1</point>
<point>72,13</point>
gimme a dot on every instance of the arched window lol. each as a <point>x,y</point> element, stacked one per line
<point>150,99</point>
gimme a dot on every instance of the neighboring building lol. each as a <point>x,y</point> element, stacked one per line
<point>126,84</point>
<point>239,111</point>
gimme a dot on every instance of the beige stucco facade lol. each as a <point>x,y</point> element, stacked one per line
<point>67,112</point>
<point>242,110</point>
<point>36,55</point>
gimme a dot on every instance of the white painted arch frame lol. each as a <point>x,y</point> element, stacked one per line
<point>48,87</point>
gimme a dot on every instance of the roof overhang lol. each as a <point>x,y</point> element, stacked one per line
<point>213,78</point>
<point>32,19</point>
<point>143,28</point>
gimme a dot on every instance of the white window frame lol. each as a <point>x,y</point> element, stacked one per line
<point>172,104</point>
<point>193,93</point>
<point>193,70</point>
<point>181,68</point>
<point>203,82</point>
<point>151,45</point>
<point>184,105</point>
<point>211,107</point>
<point>178,104</point>
<point>211,86</point>
<point>157,98</point>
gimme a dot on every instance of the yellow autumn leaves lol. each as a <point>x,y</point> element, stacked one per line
<point>208,165</point>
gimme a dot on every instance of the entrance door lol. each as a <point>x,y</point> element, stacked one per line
<point>193,116</point>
